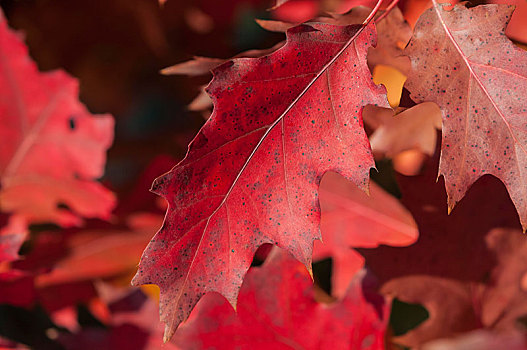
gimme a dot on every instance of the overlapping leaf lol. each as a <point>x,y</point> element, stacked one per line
<point>498,305</point>
<point>462,60</point>
<point>447,268</point>
<point>251,175</point>
<point>352,219</point>
<point>277,310</point>
<point>393,35</point>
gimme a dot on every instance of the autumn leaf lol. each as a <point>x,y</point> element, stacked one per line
<point>353,16</point>
<point>352,219</point>
<point>53,149</point>
<point>450,304</point>
<point>93,254</point>
<point>251,175</point>
<point>446,268</point>
<point>504,302</point>
<point>444,240</point>
<point>277,310</point>
<point>194,67</point>
<point>457,306</point>
<point>393,33</point>
<point>462,60</point>
<point>303,10</point>
<point>412,128</point>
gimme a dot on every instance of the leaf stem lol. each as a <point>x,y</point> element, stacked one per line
<point>375,10</point>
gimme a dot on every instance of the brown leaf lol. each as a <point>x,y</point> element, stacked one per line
<point>462,60</point>
<point>448,302</point>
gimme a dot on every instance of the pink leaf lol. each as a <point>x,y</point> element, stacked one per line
<point>462,60</point>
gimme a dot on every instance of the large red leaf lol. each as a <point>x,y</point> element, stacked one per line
<point>277,310</point>
<point>52,147</point>
<point>251,175</point>
<point>462,60</point>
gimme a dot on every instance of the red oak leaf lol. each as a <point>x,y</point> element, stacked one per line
<point>350,218</point>
<point>462,60</point>
<point>277,310</point>
<point>52,147</point>
<point>251,175</point>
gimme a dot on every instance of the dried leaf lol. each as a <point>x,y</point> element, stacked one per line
<point>462,60</point>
